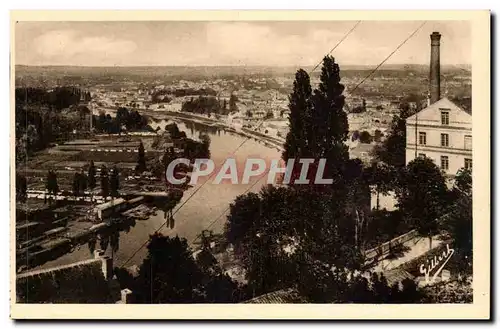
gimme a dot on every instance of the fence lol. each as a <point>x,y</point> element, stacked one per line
<point>382,250</point>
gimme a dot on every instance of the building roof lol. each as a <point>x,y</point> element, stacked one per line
<point>109,204</point>
<point>33,205</point>
<point>397,275</point>
<point>440,104</point>
<point>81,282</point>
<point>361,150</point>
<point>284,296</point>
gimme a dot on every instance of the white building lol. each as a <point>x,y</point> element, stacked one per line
<point>443,133</point>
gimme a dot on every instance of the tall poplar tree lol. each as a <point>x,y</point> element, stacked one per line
<point>104,182</point>
<point>92,172</point>
<point>141,160</point>
<point>296,144</point>
<point>329,126</point>
<point>114,182</point>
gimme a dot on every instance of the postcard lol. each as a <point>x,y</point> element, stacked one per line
<point>322,162</point>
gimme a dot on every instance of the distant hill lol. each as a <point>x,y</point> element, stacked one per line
<point>162,70</point>
<point>84,75</point>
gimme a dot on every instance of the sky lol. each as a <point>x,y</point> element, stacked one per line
<point>275,43</point>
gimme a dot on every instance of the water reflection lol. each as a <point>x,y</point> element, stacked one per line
<point>200,128</point>
<point>107,237</point>
<point>91,244</point>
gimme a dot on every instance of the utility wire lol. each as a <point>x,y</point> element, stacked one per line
<point>338,44</point>
<point>239,146</point>
<point>389,56</point>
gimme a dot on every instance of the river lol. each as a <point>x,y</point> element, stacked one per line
<point>208,203</point>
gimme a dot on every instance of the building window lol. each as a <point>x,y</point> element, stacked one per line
<point>421,155</point>
<point>444,162</point>
<point>468,164</point>
<point>468,142</point>
<point>445,118</point>
<point>422,138</point>
<point>445,140</point>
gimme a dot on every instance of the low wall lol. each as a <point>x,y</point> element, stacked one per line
<point>86,281</point>
<point>383,250</point>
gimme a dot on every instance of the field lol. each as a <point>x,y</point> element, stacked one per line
<point>75,156</point>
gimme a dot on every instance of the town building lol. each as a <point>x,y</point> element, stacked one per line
<point>105,210</point>
<point>442,131</point>
<point>89,281</point>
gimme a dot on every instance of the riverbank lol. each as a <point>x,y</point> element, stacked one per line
<point>268,141</point>
<point>48,240</point>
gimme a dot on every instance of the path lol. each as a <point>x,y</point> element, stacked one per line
<point>416,248</point>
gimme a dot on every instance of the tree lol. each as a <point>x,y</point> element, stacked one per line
<point>458,222</point>
<point>378,135</point>
<point>459,225</point>
<point>82,182</point>
<point>244,214</point>
<point>101,122</point>
<point>141,160</point>
<point>76,185</point>
<point>169,273</point>
<point>232,103</point>
<point>329,129</point>
<point>393,150</point>
<point>424,196</point>
<point>114,182</point>
<point>380,178</point>
<point>91,175</point>
<point>122,117</point>
<point>271,239</point>
<point>21,187</point>
<point>205,145</point>
<point>338,286</point>
<point>296,144</point>
<point>463,182</point>
<point>104,182</point>
<point>108,125</point>
<point>318,123</point>
<point>269,115</point>
<point>365,137</point>
<point>51,183</point>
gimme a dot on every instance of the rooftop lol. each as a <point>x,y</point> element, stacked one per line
<point>32,205</point>
<point>81,282</point>
<point>284,296</point>
<point>109,204</point>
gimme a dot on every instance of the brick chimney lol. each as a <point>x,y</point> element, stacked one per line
<point>435,69</point>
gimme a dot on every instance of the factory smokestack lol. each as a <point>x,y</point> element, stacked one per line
<point>435,69</point>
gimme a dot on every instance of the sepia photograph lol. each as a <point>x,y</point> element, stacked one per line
<point>260,160</point>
